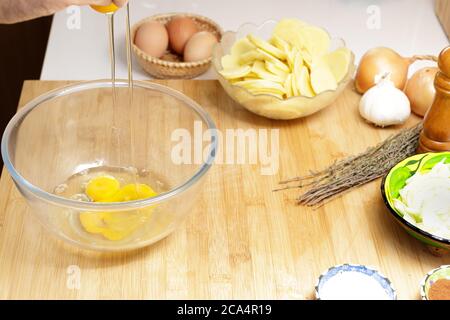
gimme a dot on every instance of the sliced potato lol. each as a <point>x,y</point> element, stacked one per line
<point>303,82</point>
<point>268,57</point>
<point>280,43</point>
<point>260,70</point>
<point>322,79</point>
<point>279,96</point>
<point>295,91</point>
<point>298,61</point>
<point>316,40</point>
<point>262,83</point>
<point>288,86</point>
<point>266,46</point>
<point>307,57</point>
<point>230,61</point>
<point>338,61</point>
<point>262,86</point>
<point>267,92</point>
<point>253,89</point>
<point>275,70</point>
<point>251,76</point>
<point>291,57</point>
<point>242,46</point>
<point>233,81</point>
<point>251,56</point>
<point>235,73</point>
<point>287,29</point>
<point>297,64</point>
<point>257,92</point>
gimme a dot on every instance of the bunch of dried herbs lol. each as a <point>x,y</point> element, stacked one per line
<point>344,175</point>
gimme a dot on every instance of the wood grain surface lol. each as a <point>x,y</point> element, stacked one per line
<point>242,241</point>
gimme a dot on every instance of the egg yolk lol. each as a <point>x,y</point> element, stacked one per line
<point>102,187</point>
<point>115,225</point>
<point>105,9</point>
<point>136,191</point>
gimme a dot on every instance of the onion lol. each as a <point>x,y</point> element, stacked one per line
<point>420,90</point>
<point>381,60</point>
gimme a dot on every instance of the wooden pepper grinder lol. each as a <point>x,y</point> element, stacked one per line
<point>435,135</point>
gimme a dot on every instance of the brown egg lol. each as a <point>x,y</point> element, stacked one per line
<point>152,38</point>
<point>180,30</point>
<point>199,46</point>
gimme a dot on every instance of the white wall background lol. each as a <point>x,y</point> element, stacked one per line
<point>408,26</point>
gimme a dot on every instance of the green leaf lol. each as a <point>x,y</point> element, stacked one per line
<point>398,180</point>
<point>417,217</point>
<point>429,164</point>
<point>411,162</point>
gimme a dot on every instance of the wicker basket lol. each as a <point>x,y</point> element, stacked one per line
<point>164,69</point>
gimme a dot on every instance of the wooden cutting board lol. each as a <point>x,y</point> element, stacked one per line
<point>242,241</point>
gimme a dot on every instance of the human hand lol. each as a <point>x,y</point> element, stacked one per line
<point>12,11</point>
<point>119,3</point>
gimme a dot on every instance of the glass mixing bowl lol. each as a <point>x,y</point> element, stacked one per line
<point>152,134</point>
<point>266,105</point>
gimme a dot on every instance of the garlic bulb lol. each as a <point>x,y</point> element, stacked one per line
<point>384,104</point>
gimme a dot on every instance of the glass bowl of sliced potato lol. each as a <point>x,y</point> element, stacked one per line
<point>283,70</point>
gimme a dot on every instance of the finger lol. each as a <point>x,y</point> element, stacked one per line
<point>100,2</point>
<point>90,2</point>
<point>120,3</point>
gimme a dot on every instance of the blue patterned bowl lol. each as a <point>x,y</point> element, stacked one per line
<point>384,282</point>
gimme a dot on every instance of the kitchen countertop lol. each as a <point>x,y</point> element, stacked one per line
<point>240,240</point>
<point>82,53</point>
